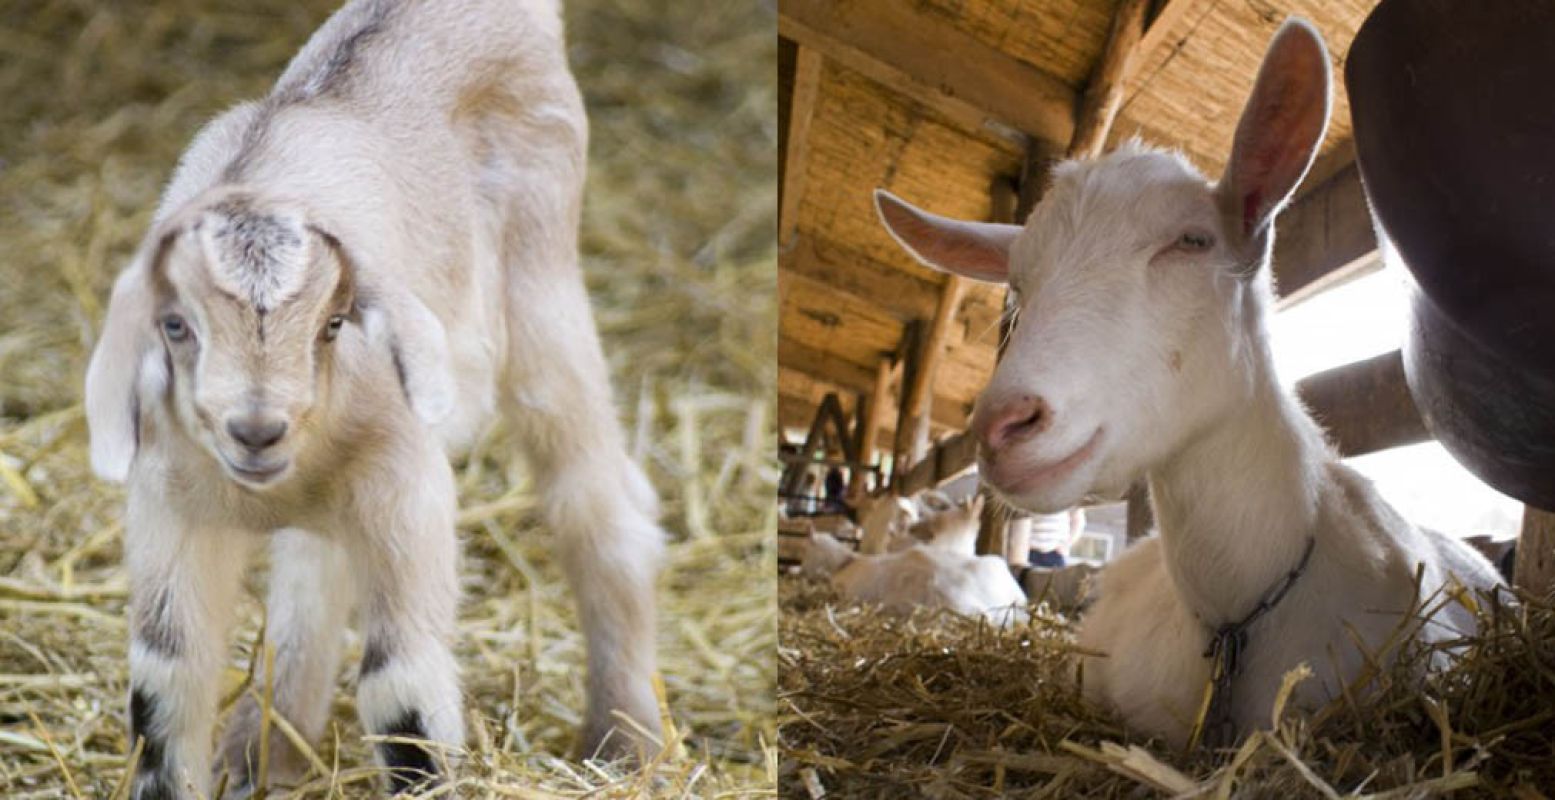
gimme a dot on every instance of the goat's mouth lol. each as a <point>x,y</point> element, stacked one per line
<point>256,474</point>
<point>1015,478</point>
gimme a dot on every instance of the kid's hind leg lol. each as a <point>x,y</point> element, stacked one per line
<point>597,501</point>
<point>310,598</point>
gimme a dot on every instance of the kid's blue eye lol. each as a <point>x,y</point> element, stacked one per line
<point>174,326</point>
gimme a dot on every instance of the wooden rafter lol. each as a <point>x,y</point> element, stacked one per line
<point>828,414</point>
<point>796,145</point>
<point>900,47</point>
<point>1104,91</point>
<point>1324,237</point>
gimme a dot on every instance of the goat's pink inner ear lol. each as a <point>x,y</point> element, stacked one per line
<point>976,250</point>
<point>1281,127</point>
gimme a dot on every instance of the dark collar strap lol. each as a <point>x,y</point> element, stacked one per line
<point>1225,650</point>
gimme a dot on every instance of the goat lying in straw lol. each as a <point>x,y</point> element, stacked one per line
<point>1142,349</point>
<point>341,283</point>
<point>943,572</point>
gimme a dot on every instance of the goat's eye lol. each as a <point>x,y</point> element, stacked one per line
<point>1195,241</point>
<point>332,328</point>
<point>174,326</point>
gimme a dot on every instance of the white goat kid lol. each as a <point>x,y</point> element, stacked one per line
<point>942,573</point>
<point>1142,349</point>
<point>342,282</point>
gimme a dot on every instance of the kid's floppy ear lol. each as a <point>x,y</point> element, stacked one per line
<point>395,317</point>
<point>1279,132</point>
<point>976,250</point>
<point>125,361</point>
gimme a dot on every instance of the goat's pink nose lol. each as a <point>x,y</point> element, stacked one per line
<point>1011,420</point>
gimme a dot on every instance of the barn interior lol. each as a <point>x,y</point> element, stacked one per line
<point>962,107</point>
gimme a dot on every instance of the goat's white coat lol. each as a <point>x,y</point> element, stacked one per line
<point>444,146</point>
<point>1151,355</point>
<point>942,573</point>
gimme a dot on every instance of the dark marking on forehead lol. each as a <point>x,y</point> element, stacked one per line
<point>259,253</point>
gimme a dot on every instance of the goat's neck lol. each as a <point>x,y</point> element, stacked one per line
<point>1236,505</point>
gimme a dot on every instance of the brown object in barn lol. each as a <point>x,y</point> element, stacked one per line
<point>1455,149</point>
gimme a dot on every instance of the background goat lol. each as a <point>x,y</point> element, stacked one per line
<point>1142,349</point>
<point>941,573</point>
<point>342,281</point>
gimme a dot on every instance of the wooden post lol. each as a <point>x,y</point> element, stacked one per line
<point>920,395</point>
<point>908,355</point>
<point>1536,552</point>
<point>1104,90</point>
<point>873,421</point>
<point>1140,516</point>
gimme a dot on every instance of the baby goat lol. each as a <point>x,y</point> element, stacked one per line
<point>342,282</point>
<point>1143,349</point>
<point>941,573</point>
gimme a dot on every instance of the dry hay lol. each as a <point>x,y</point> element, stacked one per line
<point>946,707</point>
<point>100,99</point>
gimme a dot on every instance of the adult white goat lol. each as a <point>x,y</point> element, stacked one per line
<point>343,280</point>
<point>1142,348</point>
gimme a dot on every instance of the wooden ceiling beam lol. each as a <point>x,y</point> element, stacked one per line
<point>824,366</point>
<point>798,407</point>
<point>1324,238</point>
<point>1104,91</point>
<point>1165,25</point>
<point>901,293</point>
<point>796,144</point>
<point>916,55</point>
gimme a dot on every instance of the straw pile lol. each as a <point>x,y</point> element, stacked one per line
<point>99,101</point>
<point>947,707</point>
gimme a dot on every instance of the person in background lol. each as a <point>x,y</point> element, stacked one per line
<point>836,486</point>
<point>1051,536</point>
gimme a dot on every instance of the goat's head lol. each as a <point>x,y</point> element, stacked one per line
<point>239,313</point>
<point>959,517</point>
<point>1140,289</point>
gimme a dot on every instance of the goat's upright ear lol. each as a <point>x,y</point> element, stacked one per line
<point>976,250</point>
<point>126,353</point>
<point>1279,131</point>
<point>394,317</point>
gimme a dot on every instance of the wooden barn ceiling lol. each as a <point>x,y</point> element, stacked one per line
<point>940,101</point>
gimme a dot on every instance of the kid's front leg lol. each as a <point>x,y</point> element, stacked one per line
<point>408,684</point>
<point>183,586</point>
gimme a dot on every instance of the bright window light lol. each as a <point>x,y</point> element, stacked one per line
<point>1359,319</point>
<point>1365,317</point>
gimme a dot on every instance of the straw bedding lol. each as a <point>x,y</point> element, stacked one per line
<point>946,707</point>
<point>101,98</point>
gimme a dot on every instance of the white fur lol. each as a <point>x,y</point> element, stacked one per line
<point>943,573</point>
<point>1148,355</point>
<point>434,153</point>
<point>934,578</point>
